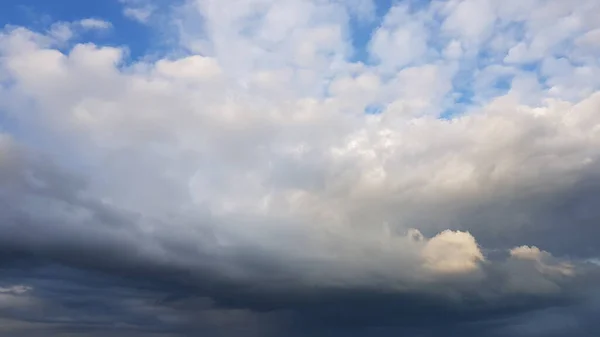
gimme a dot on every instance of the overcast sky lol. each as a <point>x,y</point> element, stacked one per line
<point>303,168</point>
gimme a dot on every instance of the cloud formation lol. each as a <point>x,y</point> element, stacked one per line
<point>261,177</point>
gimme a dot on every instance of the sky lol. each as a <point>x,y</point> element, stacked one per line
<point>300,168</point>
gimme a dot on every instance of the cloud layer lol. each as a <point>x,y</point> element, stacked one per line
<point>262,177</point>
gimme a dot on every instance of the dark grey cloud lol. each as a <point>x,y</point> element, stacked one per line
<point>83,303</point>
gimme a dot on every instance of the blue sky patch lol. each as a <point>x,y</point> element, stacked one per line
<point>40,14</point>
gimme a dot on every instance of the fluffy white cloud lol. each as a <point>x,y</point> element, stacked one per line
<point>452,252</point>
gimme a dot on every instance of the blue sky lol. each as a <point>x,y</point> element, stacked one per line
<point>39,14</point>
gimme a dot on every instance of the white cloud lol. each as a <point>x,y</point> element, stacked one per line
<point>590,39</point>
<point>470,20</point>
<point>544,260</point>
<point>91,23</point>
<point>141,14</point>
<point>452,252</point>
<point>139,10</point>
<point>61,32</point>
<point>535,271</point>
<point>453,50</point>
<point>401,40</point>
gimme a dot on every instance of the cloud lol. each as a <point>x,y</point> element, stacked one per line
<point>92,23</point>
<point>241,181</point>
<point>16,289</point>
<point>452,252</point>
<point>139,14</point>
<point>141,10</point>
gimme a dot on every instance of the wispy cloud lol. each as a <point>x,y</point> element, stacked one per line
<point>92,23</point>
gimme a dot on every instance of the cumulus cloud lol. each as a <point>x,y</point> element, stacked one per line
<point>452,252</point>
<point>247,170</point>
